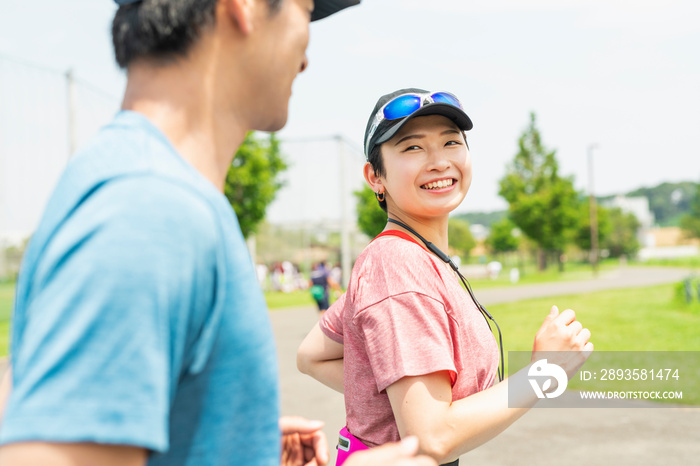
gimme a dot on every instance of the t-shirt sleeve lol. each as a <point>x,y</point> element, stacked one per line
<point>107,325</point>
<point>407,335</point>
<point>331,322</point>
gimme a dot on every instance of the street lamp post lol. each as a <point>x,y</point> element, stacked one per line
<point>593,211</point>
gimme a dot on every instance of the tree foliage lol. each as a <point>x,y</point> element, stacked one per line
<point>668,201</point>
<point>691,221</point>
<point>622,239</point>
<point>459,237</point>
<point>501,238</point>
<point>482,218</point>
<point>544,205</point>
<point>253,180</point>
<point>371,219</point>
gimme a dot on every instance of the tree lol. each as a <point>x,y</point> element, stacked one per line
<point>482,218</point>
<point>501,238</point>
<point>691,221</point>
<point>542,204</point>
<point>459,237</point>
<point>253,180</point>
<point>371,219</point>
<point>622,239</point>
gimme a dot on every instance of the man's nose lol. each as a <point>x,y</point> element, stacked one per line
<point>304,64</point>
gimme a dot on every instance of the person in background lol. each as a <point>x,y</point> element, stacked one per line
<point>140,334</point>
<point>320,282</point>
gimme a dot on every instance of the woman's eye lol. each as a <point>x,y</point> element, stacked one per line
<point>411,148</point>
<point>452,143</point>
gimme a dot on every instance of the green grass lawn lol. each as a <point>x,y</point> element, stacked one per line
<point>620,320</point>
<point>692,262</point>
<point>7,291</point>
<point>639,319</point>
<point>279,300</point>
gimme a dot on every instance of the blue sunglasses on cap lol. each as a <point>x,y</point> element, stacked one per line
<point>406,104</point>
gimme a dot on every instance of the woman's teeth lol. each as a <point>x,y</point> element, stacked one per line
<point>438,184</point>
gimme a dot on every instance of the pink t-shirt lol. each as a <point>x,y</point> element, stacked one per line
<point>405,314</point>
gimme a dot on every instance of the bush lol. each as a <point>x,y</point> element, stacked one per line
<point>686,294</point>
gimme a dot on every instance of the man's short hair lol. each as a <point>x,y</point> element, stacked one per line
<point>162,30</point>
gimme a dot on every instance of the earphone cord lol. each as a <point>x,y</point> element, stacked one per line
<point>445,258</point>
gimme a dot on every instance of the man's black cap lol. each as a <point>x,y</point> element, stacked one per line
<point>388,128</point>
<point>322,8</point>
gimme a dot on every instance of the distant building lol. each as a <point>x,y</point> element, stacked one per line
<point>668,243</point>
<point>670,236</point>
<point>638,206</point>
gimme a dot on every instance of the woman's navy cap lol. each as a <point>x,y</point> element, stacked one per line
<point>322,8</point>
<point>388,128</point>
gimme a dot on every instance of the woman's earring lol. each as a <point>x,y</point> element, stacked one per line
<point>380,196</point>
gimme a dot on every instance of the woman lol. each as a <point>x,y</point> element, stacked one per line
<point>409,348</point>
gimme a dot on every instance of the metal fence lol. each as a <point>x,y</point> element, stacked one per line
<point>46,114</point>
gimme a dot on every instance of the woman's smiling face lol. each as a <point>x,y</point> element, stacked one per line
<point>427,168</point>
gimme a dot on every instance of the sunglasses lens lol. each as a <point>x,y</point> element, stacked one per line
<point>446,98</point>
<point>401,106</point>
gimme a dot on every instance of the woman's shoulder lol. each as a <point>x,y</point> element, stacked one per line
<point>390,266</point>
<point>395,249</point>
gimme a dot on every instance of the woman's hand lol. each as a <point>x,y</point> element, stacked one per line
<point>566,339</point>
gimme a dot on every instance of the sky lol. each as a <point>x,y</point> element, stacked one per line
<point>622,76</point>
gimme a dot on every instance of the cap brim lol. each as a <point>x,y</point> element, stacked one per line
<point>455,114</point>
<point>324,8</point>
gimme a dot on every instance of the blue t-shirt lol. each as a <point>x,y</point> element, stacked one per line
<point>138,319</point>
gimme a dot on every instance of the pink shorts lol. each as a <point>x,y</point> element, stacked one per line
<point>347,445</point>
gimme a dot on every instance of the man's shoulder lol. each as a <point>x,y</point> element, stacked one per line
<point>130,173</point>
<point>148,199</point>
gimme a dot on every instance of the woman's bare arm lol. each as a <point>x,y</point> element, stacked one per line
<point>423,405</point>
<point>321,358</point>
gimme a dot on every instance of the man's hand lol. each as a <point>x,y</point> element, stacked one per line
<point>303,442</point>
<point>392,454</point>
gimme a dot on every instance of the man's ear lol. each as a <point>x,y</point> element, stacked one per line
<point>241,12</point>
<point>374,181</point>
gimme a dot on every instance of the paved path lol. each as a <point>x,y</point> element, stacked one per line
<point>625,277</point>
<point>631,434</point>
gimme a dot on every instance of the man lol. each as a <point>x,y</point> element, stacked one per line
<point>139,333</point>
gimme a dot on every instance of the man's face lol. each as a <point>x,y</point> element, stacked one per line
<point>281,54</point>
